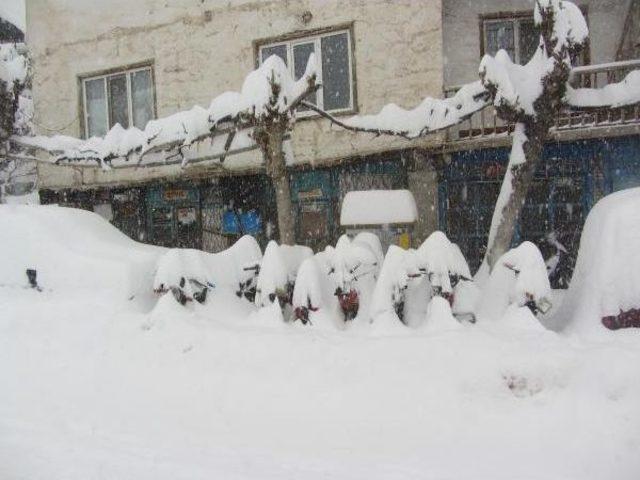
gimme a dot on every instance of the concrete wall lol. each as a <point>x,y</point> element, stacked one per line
<point>201,48</point>
<point>461,31</point>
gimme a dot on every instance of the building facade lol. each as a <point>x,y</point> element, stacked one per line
<point>590,156</point>
<point>127,62</point>
<point>150,59</point>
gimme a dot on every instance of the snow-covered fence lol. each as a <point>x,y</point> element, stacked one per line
<point>486,123</point>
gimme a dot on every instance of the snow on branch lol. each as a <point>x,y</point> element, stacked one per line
<point>14,83</point>
<point>614,95</point>
<point>569,27</point>
<point>430,116</point>
<point>267,92</point>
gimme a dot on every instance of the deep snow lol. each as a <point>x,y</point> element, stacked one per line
<point>98,384</point>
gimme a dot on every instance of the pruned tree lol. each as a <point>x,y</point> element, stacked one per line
<point>530,96</point>
<point>260,116</point>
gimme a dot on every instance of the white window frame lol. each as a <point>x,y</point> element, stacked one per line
<point>317,41</point>
<point>516,21</point>
<point>127,72</point>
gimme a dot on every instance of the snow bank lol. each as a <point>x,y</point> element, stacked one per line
<point>224,270</point>
<point>378,207</point>
<point>519,276</point>
<point>606,279</point>
<point>72,250</point>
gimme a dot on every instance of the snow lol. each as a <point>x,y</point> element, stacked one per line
<point>88,253</point>
<point>442,260</point>
<point>431,115</point>
<point>517,86</point>
<point>32,198</point>
<point>13,65</point>
<point>570,26</point>
<point>278,270</point>
<point>519,276</point>
<point>626,92</point>
<point>120,146</point>
<point>378,207</point>
<point>13,11</point>
<point>606,279</point>
<point>224,270</point>
<point>96,384</point>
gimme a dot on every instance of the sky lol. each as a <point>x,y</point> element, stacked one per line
<point>13,11</point>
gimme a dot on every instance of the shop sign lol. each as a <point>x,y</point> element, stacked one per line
<point>173,195</point>
<point>310,194</point>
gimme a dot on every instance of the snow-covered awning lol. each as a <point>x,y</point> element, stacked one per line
<point>378,207</point>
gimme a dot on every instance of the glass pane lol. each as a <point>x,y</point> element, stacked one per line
<point>96,106</point>
<point>335,72</point>
<point>118,103</point>
<point>301,54</point>
<point>528,40</point>
<point>499,36</point>
<point>279,50</point>
<point>142,97</point>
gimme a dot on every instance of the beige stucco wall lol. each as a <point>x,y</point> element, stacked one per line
<point>461,31</point>
<point>398,58</point>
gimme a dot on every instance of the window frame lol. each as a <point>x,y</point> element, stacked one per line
<point>315,37</point>
<point>127,71</point>
<point>517,17</point>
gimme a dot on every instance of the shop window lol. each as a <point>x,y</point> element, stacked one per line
<point>125,97</point>
<point>335,64</point>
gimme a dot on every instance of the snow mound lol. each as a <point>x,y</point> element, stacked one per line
<point>72,250</point>
<point>519,276</point>
<point>443,260</point>
<point>218,270</point>
<point>439,316</point>
<point>606,279</point>
<point>401,268</point>
<point>278,271</point>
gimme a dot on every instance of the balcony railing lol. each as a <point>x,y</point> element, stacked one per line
<point>485,123</point>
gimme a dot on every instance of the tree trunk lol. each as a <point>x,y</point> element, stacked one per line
<point>285,210</point>
<point>526,151</point>
<point>271,141</point>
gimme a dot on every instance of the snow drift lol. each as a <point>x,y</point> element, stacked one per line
<point>72,250</point>
<point>606,280</point>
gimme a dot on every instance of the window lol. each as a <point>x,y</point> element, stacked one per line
<point>125,97</point>
<point>333,54</point>
<point>518,36</point>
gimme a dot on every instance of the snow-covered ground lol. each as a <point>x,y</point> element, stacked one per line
<point>96,383</point>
